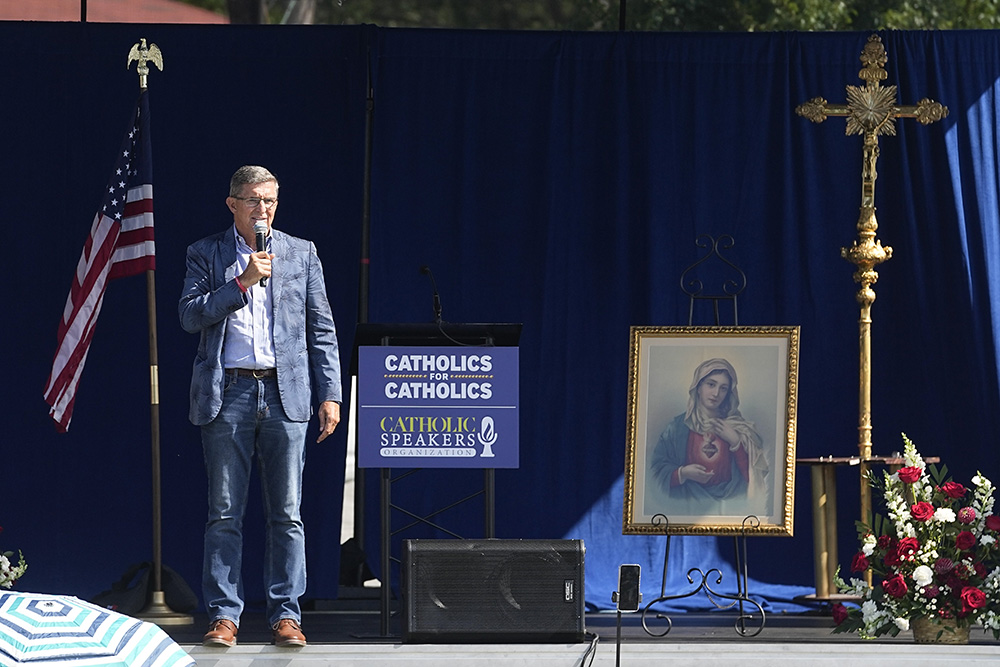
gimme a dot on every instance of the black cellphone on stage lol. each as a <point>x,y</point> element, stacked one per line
<point>628,597</point>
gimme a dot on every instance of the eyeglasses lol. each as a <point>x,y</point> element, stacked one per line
<point>254,202</point>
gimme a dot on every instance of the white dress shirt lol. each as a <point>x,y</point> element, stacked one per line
<point>249,341</point>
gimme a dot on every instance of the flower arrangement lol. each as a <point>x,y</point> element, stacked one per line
<point>10,573</point>
<point>934,555</point>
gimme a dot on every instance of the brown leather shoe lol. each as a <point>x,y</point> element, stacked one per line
<point>221,632</point>
<point>287,632</point>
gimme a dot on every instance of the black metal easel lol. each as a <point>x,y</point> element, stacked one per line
<point>694,287</point>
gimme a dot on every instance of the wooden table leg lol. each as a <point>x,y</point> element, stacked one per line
<point>824,496</point>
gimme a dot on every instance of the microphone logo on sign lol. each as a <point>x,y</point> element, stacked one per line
<point>487,436</point>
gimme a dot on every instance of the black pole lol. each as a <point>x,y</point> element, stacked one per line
<point>154,423</point>
<point>385,575</point>
<point>621,14</point>
<point>363,275</point>
<point>156,608</point>
<point>363,291</point>
<point>618,640</point>
<point>489,500</point>
<point>83,11</point>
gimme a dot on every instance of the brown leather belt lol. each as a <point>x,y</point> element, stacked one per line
<point>258,373</point>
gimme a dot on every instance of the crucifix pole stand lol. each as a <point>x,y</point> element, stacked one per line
<point>871,110</point>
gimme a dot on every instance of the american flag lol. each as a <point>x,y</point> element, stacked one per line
<point>120,244</point>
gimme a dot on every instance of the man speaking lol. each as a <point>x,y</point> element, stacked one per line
<point>268,344</point>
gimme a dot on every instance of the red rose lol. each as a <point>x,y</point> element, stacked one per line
<point>839,613</point>
<point>910,474</point>
<point>922,511</point>
<point>891,558</point>
<point>965,540</point>
<point>908,547</point>
<point>860,562</point>
<point>884,541</point>
<point>972,598</point>
<point>993,522</point>
<point>895,587</point>
<point>953,489</point>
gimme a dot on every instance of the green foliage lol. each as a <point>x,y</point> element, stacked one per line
<point>738,15</point>
<point>495,14</point>
<point>645,15</point>
<point>927,14</point>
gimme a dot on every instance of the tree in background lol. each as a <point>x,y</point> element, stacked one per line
<point>262,11</point>
<point>647,15</point>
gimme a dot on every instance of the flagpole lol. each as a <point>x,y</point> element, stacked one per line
<point>157,610</point>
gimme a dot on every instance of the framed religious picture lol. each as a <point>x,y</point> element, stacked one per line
<point>711,430</point>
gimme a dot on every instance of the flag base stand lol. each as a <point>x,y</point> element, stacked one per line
<point>159,613</point>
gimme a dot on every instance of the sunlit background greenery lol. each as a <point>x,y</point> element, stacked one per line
<point>649,15</point>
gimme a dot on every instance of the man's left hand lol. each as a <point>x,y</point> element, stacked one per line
<point>329,417</point>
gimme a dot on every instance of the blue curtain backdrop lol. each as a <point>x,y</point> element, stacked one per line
<point>553,179</point>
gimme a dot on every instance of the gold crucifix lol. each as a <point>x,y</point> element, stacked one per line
<point>871,110</point>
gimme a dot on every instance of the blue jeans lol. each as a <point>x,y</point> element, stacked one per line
<point>250,422</point>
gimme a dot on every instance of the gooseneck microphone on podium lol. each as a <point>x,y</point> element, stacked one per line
<point>426,270</point>
<point>260,230</point>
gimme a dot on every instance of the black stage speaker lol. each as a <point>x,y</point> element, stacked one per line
<point>493,591</point>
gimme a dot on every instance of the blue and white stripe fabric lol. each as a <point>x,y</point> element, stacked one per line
<point>45,630</point>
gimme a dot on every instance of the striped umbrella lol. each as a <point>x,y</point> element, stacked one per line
<point>48,630</point>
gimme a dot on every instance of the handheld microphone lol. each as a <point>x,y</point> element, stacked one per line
<point>426,270</point>
<point>260,229</point>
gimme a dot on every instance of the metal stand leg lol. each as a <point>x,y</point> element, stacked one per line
<point>489,509</point>
<point>385,490</point>
<point>741,598</point>
<point>618,641</point>
<point>385,494</point>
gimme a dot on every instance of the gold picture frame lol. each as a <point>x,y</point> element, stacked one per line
<point>710,454</point>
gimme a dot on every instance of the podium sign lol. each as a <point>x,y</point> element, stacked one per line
<point>437,407</point>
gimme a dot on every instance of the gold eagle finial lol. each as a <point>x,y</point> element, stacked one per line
<point>144,54</point>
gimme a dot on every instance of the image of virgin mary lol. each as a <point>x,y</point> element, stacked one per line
<point>710,452</point>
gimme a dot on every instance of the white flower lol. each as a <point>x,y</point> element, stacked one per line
<point>868,547</point>
<point>858,588</point>
<point>922,576</point>
<point>902,623</point>
<point>6,572</point>
<point>868,610</point>
<point>9,573</point>
<point>987,540</point>
<point>944,515</point>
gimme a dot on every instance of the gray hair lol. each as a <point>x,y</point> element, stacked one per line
<point>250,175</point>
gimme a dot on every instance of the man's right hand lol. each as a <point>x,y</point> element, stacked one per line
<point>258,267</point>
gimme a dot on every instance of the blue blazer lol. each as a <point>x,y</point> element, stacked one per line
<point>305,337</point>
